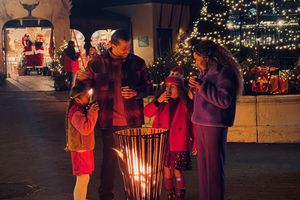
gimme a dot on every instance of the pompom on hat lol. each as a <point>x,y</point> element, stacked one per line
<point>176,76</point>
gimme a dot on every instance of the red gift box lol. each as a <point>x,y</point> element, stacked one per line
<point>269,81</point>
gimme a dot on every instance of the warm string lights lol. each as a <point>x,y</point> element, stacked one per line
<point>254,30</point>
<point>57,62</point>
<point>269,24</point>
<point>212,25</point>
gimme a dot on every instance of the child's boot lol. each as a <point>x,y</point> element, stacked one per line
<point>180,188</point>
<point>169,188</point>
<point>171,195</point>
<point>179,194</point>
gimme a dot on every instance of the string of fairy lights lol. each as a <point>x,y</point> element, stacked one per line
<point>271,23</point>
<point>258,25</point>
<point>274,24</point>
<point>57,62</point>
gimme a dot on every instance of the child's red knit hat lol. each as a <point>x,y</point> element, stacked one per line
<point>176,76</point>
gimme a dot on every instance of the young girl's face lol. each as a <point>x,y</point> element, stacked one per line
<point>173,90</point>
<point>83,99</point>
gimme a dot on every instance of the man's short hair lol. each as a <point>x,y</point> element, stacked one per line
<point>119,34</point>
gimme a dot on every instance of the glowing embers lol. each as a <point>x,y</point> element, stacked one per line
<point>140,152</point>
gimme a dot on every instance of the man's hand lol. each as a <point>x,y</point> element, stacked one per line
<point>128,93</point>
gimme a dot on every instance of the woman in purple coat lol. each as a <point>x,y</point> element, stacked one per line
<point>214,92</point>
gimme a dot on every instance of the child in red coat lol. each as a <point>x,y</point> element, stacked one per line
<point>172,110</point>
<point>81,120</point>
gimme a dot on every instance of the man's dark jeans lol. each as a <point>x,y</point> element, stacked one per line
<point>109,164</point>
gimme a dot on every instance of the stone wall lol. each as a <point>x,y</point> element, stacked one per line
<point>264,119</point>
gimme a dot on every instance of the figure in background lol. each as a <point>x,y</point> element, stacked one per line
<point>28,53</point>
<point>71,62</point>
<point>92,54</point>
<point>39,50</point>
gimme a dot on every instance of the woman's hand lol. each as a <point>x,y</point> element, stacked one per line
<point>194,151</point>
<point>191,94</point>
<point>164,97</point>
<point>194,84</point>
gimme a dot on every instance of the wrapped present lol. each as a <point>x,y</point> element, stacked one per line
<point>274,81</point>
<point>284,85</point>
<point>263,72</point>
<point>268,81</point>
<point>260,86</point>
<point>279,85</point>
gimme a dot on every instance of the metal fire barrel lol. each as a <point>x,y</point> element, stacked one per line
<point>141,157</point>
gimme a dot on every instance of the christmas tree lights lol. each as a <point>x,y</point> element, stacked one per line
<point>269,24</point>
<point>57,62</point>
<point>258,32</point>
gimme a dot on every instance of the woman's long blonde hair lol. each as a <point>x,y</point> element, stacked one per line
<point>222,56</point>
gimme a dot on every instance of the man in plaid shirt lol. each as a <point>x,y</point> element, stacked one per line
<point>120,81</point>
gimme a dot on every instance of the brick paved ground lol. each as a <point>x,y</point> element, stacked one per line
<point>30,83</point>
<point>32,139</point>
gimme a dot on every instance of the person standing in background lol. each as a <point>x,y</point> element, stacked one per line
<point>92,54</point>
<point>71,62</point>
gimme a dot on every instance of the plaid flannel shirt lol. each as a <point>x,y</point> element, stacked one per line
<point>99,75</point>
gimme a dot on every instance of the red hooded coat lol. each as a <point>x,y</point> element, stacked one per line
<point>181,128</point>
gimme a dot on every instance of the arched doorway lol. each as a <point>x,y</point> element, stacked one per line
<point>79,40</point>
<point>27,44</point>
<point>27,47</point>
<point>100,39</point>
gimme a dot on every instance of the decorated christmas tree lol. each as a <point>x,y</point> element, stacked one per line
<point>269,29</point>
<point>56,66</point>
<point>258,33</point>
<point>266,36</point>
<point>211,25</point>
